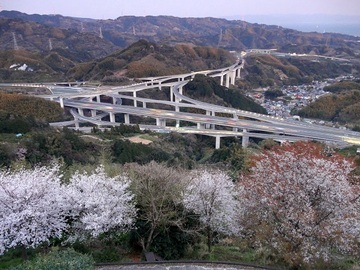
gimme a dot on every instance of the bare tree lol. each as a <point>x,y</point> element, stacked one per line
<point>158,190</point>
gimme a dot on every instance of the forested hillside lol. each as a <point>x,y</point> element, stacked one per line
<point>143,59</point>
<point>343,107</point>
<point>214,32</point>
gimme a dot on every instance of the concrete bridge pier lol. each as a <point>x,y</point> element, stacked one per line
<point>144,104</point>
<point>227,80</point>
<point>62,102</point>
<point>127,118</point>
<point>112,117</point>
<point>160,122</point>
<point>172,93</point>
<point>93,113</point>
<point>208,126</point>
<point>238,73</point>
<point>212,126</point>
<point>222,79</point>
<point>177,109</point>
<point>245,139</point>
<point>135,102</point>
<point>217,142</point>
<point>98,99</point>
<point>233,75</point>
<point>77,126</point>
<point>81,111</point>
<point>200,126</point>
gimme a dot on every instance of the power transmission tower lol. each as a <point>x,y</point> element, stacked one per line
<point>16,47</point>
<point>101,34</point>
<point>50,44</point>
<point>220,37</point>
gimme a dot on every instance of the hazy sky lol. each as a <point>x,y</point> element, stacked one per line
<point>111,9</point>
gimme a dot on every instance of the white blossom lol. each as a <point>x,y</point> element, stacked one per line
<point>212,196</point>
<point>100,203</point>
<point>32,207</point>
<point>306,201</point>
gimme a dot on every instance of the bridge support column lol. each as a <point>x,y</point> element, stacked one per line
<point>208,126</point>
<point>62,102</point>
<point>222,79</point>
<point>112,117</point>
<point>98,99</point>
<point>213,125</point>
<point>238,73</point>
<point>172,93</point>
<point>160,122</point>
<point>81,111</point>
<point>135,102</point>
<point>144,104</point>
<point>200,126</point>
<point>177,109</point>
<point>227,81</point>
<point>77,125</point>
<point>127,118</point>
<point>217,142</point>
<point>233,75</point>
<point>93,113</point>
<point>245,139</point>
<point>181,91</point>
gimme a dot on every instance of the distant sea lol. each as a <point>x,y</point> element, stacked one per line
<point>342,24</point>
<point>348,29</point>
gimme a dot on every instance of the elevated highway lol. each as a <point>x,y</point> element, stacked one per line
<point>88,106</point>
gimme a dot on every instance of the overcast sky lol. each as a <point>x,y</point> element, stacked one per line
<point>111,9</point>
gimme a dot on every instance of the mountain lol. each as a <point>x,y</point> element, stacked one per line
<point>144,59</point>
<point>226,34</point>
<point>40,38</point>
<point>268,70</point>
<point>55,47</point>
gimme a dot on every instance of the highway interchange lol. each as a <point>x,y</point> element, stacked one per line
<point>91,105</point>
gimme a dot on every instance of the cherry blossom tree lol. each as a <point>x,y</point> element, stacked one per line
<point>301,201</point>
<point>100,203</point>
<point>213,197</point>
<point>33,207</point>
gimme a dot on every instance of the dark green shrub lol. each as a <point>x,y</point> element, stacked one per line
<point>58,260</point>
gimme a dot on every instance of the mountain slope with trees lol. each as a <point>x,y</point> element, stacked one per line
<point>144,59</point>
<point>343,107</point>
<point>230,35</point>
